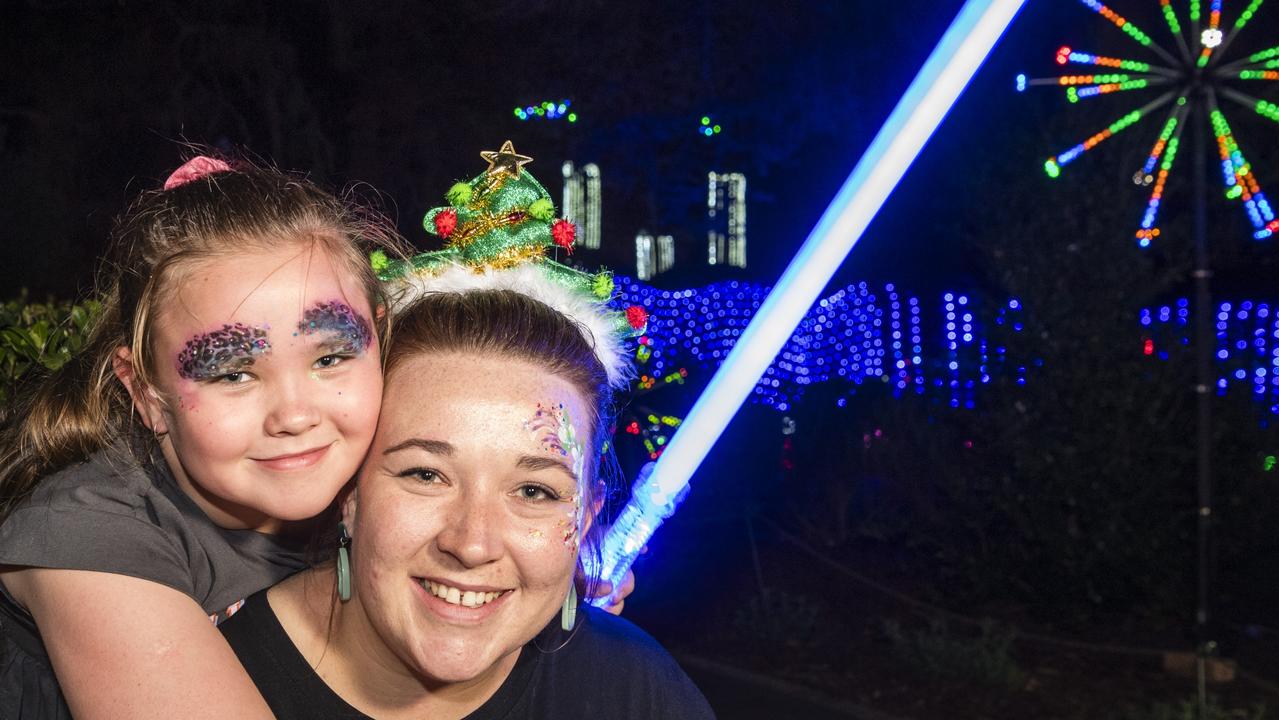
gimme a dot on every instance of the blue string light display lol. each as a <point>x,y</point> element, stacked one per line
<point>1247,345</point>
<point>861,334</point>
<point>858,334</point>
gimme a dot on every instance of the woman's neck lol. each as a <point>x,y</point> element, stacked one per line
<point>348,654</point>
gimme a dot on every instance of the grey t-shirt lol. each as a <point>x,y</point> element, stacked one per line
<point>115,514</point>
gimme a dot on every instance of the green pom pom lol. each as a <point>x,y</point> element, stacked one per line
<point>602,285</point>
<point>459,194</point>
<point>379,261</point>
<point>542,209</point>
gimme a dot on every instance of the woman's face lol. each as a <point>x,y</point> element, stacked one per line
<point>468,512</point>
<point>267,383</point>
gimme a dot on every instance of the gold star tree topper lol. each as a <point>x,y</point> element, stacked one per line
<point>505,161</point>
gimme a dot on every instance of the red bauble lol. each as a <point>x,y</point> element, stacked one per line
<point>445,223</point>
<point>564,233</point>
<point>636,316</point>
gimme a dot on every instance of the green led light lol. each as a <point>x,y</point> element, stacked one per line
<point>1269,463</point>
<point>1171,17</point>
<point>1072,94</point>
<point>1169,154</point>
<point>1247,14</point>
<point>1125,121</point>
<point>1052,168</point>
<point>1264,55</point>
<point>716,129</point>
<point>1234,192</point>
<point>1135,33</point>
<point>1134,66</point>
<point>572,117</point>
<point>1194,10</point>
<point>1268,110</point>
<point>1202,61</point>
<point>706,120</point>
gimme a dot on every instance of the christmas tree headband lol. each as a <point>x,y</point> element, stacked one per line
<point>496,229</point>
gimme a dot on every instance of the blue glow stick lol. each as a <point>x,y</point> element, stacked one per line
<point>960,52</point>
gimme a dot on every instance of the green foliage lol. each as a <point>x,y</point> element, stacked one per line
<point>984,658</point>
<point>39,336</point>
<point>778,619</point>
<point>1189,710</point>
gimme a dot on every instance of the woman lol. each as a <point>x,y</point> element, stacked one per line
<point>465,525</point>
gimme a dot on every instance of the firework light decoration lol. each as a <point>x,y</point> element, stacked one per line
<point>1190,73</point>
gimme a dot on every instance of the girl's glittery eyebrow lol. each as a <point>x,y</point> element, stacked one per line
<point>219,352</point>
<point>335,318</point>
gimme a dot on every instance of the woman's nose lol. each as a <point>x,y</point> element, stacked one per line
<point>471,532</point>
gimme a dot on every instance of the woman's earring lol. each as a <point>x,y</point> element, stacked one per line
<point>568,613</point>
<point>344,563</point>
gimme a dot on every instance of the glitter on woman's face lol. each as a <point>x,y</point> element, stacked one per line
<point>554,431</point>
<point>349,330</point>
<point>217,353</point>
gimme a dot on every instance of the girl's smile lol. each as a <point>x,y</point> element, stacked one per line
<point>268,382</point>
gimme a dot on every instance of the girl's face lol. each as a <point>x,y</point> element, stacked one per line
<point>467,515</point>
<point>268,378</point>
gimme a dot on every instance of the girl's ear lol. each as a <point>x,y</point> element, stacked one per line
<point>145,402</point>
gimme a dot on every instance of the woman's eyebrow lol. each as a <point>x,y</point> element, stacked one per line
<point>540,462</point>
<point>437,447</point>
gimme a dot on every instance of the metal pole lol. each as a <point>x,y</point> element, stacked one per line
<point>1205,342</point>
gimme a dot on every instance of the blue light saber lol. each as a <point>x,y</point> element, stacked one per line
<point>960,52</point>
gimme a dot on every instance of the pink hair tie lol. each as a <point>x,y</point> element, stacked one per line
<point>193,169</point>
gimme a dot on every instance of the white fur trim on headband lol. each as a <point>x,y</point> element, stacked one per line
<point>591,316</point>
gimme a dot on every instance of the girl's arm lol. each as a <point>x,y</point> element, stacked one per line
<point>123,647</point>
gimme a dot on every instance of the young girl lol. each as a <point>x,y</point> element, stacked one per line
<point>229,391</point>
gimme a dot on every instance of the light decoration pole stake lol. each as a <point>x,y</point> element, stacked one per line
<point>945,74</point>
<point>1192,78</point>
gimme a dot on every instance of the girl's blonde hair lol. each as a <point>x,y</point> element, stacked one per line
<point>82,407</point>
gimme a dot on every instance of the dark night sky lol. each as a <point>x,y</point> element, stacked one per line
<point>95,96</point>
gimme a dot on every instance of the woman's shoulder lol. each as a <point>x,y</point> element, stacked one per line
<point>615,633</point>
<point>620,645</point>
<point>615,665</point>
